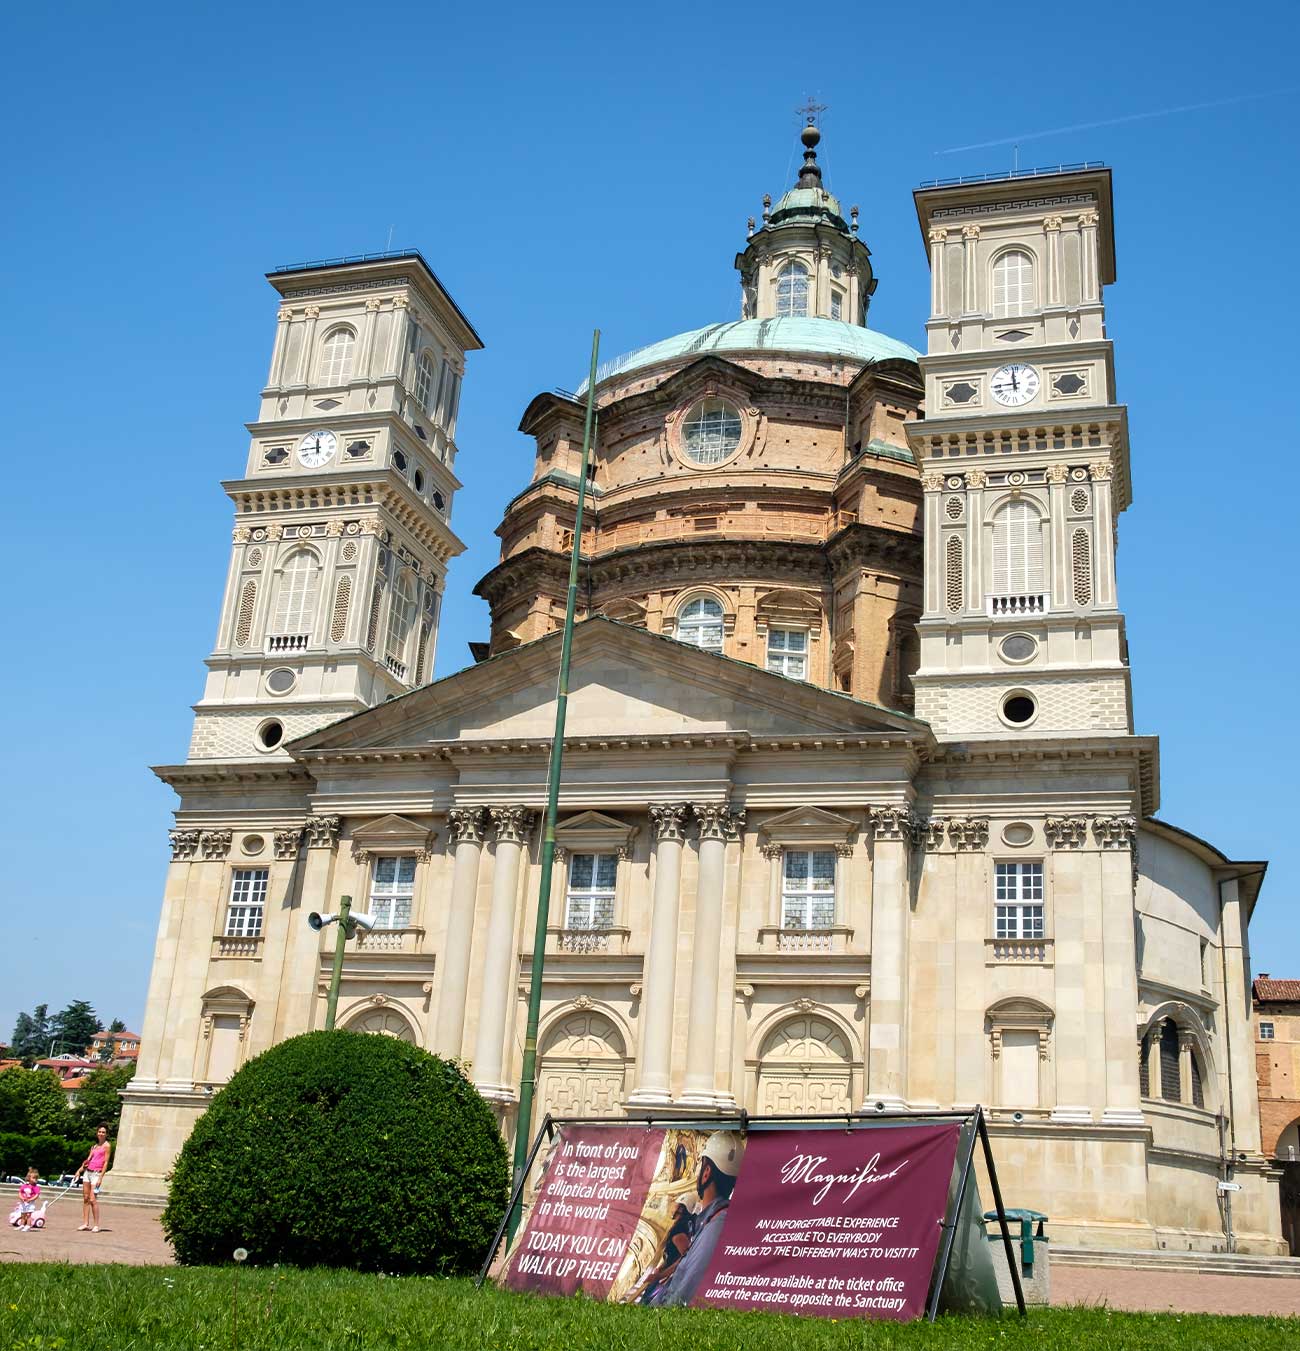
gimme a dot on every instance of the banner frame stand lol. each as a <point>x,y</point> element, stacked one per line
<point>744,1122</point>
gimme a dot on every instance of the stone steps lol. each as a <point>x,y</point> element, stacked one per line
<point>1160,1259</point>
<point>9,1194</point>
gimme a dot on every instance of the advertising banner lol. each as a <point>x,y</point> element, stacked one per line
<point>836,1223</point>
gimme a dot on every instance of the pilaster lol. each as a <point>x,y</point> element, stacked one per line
<point>467,830</point>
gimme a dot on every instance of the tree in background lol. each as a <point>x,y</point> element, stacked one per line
<point>32,1102</point>
<point>117,1025</point>
<point>99,1102</point>
<point>31,1039</point>
<point>74,1027</point>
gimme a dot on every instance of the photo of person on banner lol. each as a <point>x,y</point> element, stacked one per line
<point>714,1183</point>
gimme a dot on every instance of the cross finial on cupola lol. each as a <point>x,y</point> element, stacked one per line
<point>810,175</point>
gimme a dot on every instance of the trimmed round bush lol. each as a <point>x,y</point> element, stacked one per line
<point>342,1149</point>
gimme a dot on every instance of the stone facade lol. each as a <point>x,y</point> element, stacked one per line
<point>776,886</point>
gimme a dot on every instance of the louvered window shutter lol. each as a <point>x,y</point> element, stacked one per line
<point>1017,551</point>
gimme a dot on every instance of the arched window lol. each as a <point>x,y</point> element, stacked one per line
<point>1017,551</point>
<point>1013,284</point>
<point>336,356</point>
<point>792,290</point>
<point>401,615</point>
<point>295,607</point>
<point>699,623</point>
<point>424,374</point>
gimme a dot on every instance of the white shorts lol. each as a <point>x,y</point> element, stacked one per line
<point>92,1178</point>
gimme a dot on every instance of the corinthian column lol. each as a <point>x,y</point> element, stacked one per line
<point>512,825</point>
<point>467,831</point>
<point>893,829</point>
<point>718,824</point>
<point>658,983</point>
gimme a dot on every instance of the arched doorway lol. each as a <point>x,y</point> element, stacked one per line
<point>1287,1154</point>
<point>583,1065</point>
<point>805,1066</point>
<point>385,1022</point>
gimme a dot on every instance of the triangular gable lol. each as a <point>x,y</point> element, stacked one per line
<point>391,835</point>
<point>807,826</point>
<point>623,682</point>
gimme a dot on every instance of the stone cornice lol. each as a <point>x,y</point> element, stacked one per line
<point>198,772</point>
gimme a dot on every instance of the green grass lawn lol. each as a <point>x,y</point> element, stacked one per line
<point>103,1308</point>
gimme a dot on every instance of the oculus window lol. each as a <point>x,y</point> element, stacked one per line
<point>711,431</point>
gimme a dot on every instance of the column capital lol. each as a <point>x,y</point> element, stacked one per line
<point>1100,472</point>
<point>1058,473</point>
<point>932,483</point>
<point>215,844</point>
<point>938,235</point>
<point>513,825</point>
<point>1052,223</point>
<point>717,820</point>
<point>893,823</point>
<point>969,832</point>
<point>467,824</point>
<point>1066,832</point>
<point>322,832</point>
<point>1115,832</point>
<point>668,820</point>
<point>970,231</point>
<point>287,842</point>
<point>976,478</point>
<point>185,844</point>
<point>1088,219</point>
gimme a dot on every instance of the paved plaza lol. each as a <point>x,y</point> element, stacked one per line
<point>132,1234</point>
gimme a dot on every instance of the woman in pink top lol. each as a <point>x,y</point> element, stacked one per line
<point>92,1173</point>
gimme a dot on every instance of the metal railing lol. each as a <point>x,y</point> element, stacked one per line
<point>1007,174</point>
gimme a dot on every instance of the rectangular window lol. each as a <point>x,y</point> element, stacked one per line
<point>837,305</point>
<point>590,902</point>
<point>247,902</point>
<point>1266,1031</point>
<point>1018,911</point>
<point>787,652</point>
<point>391,890</point>
<point>808,889</point>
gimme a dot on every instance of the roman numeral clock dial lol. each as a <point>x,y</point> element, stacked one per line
<point>1014,384</point>
<point>316,449</point>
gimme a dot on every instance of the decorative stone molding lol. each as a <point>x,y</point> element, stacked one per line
<point>970,231</point>
<point>1088,218</point>
<point>932,483</point>
<point>805,1005</point>
<point>185,844</point>
<point>1058,473</point>
<point>274,533</point>
<point>513,825</point>
<point>215,844</point>
<point>287,842</point>
<point>312,311</point>
<point>378,1000</point>
<point>584,1002</point>
<point>391,835</point>
<point>400,302</point>
<point>771,849</point>
<point>467,824</point>
<point>1066,832</point>
<point>929,834</point>
<point>861,991</point>
<point>1100,471</point>
<point>241,534</point>
<point>937,236</point>
<point>893,823</point>
<point>718,821</point>
<point>374,303</point>
<point>976,478</point>
<point>284,315</point>
<point>593,832</point>
<point>969,832</point>
<point>1052,223</point>
<point>668,820</point>
<point>322,832</point>
<point>634,990</point>
<point>1021,1015</point>
<point>1115,832</point>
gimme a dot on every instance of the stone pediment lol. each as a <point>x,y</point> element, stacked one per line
<point>391,835</point>
<point>594,832</point>
<point>807,827</point>
<point>624,682</point>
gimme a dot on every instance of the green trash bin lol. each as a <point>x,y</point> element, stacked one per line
<point>1029,1246</point>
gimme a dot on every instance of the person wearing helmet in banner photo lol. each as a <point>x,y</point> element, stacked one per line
<point>716,1180</point>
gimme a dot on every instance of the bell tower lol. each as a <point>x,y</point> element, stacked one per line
<point>1024,459</point>
<point>343,516</point>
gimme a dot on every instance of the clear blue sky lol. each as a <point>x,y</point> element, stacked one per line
<point>564,168</point>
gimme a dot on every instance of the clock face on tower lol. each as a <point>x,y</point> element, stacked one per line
<point>316,449</point>
<point>1014,384</point>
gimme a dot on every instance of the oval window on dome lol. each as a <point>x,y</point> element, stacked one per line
<point>711,431</point>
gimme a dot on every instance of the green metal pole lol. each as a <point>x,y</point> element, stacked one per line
<point>332,1002</point>
<point>527,1078</point>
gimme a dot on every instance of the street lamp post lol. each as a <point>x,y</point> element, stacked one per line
<point>348,925</point>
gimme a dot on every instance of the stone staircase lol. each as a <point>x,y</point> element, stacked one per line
<point>9,1194</point>
<point>1161,1259</point>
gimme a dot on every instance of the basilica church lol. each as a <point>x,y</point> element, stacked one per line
<point>853,814</point>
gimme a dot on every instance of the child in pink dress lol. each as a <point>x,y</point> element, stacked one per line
<point>27,1193</point>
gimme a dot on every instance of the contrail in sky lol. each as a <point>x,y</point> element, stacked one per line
<point>1115,121</point>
